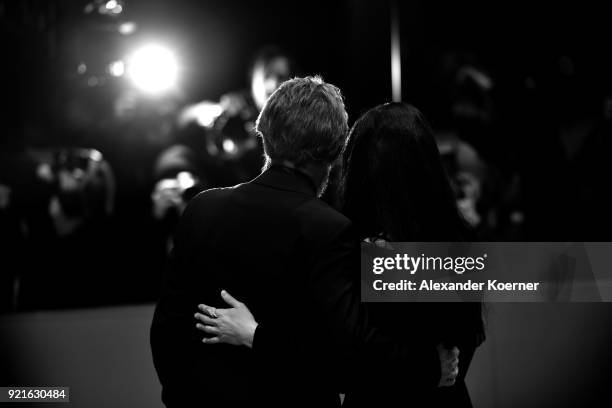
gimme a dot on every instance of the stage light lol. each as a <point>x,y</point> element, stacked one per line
<point>116,68</point>
<point>204,113</point>
<point>153,69</point>
<point>113,6</point>
<point>127,28</point>
<point>229,146</point>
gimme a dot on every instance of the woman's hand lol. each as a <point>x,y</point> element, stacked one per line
<point>449,365</point>
<point>235,325</point>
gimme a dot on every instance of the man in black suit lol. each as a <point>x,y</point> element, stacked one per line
<point>273,244</point>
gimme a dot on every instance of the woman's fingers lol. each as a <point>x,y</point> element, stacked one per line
<point>211,340</point>
<point>454,362</point>
<point>207,329</point>
<point>229,299</point>
<point>206,320</point>
<point>209,310</point>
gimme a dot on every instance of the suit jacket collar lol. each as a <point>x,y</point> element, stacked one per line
<point>286,178</point>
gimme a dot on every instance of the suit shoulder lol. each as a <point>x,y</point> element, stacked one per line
<point>210,197</point>
<point>214,193</point>
<point>316,215</point>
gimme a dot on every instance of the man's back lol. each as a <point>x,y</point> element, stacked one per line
<point>258,241</point>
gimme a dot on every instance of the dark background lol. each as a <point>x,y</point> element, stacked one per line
<point>345,41</point>
<point>549,63</point>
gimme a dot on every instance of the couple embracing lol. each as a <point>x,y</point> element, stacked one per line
<point>299,335</point>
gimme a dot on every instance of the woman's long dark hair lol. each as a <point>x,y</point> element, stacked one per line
<point>393,183</point>
<point>394,186</point>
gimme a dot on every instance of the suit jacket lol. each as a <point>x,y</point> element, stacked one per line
<point>291,258</point>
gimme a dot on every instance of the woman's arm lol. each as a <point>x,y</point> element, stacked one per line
<point>333,289</point>
<point>237,326</point>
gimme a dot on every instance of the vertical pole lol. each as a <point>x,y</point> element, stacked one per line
<point>396,56</point>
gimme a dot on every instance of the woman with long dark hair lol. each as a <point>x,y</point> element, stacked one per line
<point>394,188</point>
<point>393,183</point>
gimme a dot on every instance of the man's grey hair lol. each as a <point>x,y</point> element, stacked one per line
<point>304,121</point>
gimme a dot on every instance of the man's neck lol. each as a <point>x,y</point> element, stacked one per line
<point>318,173</point>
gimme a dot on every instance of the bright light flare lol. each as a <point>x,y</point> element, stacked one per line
<point>127,28</point>
<point>117,68</point>
<point>153,69</point>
